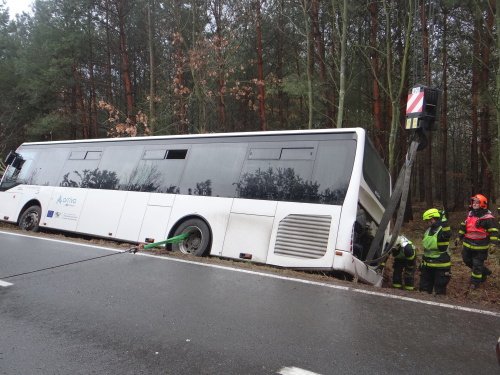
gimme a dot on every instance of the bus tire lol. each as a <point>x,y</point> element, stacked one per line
<point>198,241</point>
<point>30,219</point>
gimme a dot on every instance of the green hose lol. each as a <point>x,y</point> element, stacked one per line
<point>176,239</point>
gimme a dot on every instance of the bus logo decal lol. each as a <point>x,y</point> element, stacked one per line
<point>66,201</point>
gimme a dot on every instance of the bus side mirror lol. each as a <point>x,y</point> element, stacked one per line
<point>14,159</point>
<point>10,157</point>
<point>18,162</point>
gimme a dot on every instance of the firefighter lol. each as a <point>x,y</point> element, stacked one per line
<point>435,270</point>
<point>404,254</point>
<point>477,232</point>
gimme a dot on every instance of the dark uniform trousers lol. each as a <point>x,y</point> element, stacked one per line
<point>432,277</point>
<point>403,268</point>
<point>474,259</point>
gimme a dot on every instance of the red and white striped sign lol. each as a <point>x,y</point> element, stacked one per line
<point>415,103</point>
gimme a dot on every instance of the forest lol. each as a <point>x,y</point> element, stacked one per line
<point>81,69</point>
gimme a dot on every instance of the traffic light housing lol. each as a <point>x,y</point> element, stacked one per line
<point>422,108</point>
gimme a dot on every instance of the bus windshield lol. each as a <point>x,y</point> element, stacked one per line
<point>376,175</point>
<point>18,175</point>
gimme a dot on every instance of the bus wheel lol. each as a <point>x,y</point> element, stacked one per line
<point>197,241</point>
<point>30,219</point>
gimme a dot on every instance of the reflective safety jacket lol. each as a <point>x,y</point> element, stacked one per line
<point>406,251</point>
<point>478,230</point>
<point>435,243</point>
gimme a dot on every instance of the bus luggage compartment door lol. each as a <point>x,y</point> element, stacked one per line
<point>154,224</point>
<point>249,229</point>
<point>132,216</point>
<point>101,213</point>
<point>304,236</point>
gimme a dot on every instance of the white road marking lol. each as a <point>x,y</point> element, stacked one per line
<point>5,283</point>
<point>295,371</point>
<point>328,285</point>
<point>273,276</point>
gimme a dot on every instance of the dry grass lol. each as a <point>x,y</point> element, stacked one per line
<point>488,295</point>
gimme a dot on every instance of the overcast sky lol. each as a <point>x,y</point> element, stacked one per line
<point>18,6</point>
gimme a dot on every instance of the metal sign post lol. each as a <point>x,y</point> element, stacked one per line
<point>421,113</point>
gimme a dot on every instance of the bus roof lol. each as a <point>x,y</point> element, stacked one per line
<point>208,135</point>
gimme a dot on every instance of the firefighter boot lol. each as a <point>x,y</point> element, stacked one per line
<point>486,272</point>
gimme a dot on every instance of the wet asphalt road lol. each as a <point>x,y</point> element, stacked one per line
<point>131,314</point>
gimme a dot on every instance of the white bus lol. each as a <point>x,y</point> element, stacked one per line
<point>306,200</point>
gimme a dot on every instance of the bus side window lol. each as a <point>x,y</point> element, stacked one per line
<point>213,169</point>
<point>273,168</point>
<point>306,153</point>
<point>93,155</point>
<point>82,170</point>
<point>119,162</point>
<point>77,155</point>
<point>176,154</point>
<point>48,166</point>
<point>154,154</point>
<point>264,154</point>
<point>159,170</point>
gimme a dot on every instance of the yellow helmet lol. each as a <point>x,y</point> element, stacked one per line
<point>430,213</point>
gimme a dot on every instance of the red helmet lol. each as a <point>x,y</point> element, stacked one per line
<point>483,201</point>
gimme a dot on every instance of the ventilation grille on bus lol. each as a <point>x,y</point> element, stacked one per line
<point>303,236</point>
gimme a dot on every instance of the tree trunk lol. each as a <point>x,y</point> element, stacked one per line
<point>474,174</point>
<point>125,63</point>
<point>427,72</point>
<point>180,104</point>
<point>444,114</point>
<point>152,90</point>
<point>379,130</point>
<point>319,45</point>
<point>221,105</point>
<point>396,92</point>
<point>109,61</point>
<point>80,112</point>
<point>310,63</point>
<point>279,65</point>
<point>497,107</point>
<point>332,109</point>
<point>340,114</point>
<point>484,118</point>
<point>260,69</point>
<point>93,131</point>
